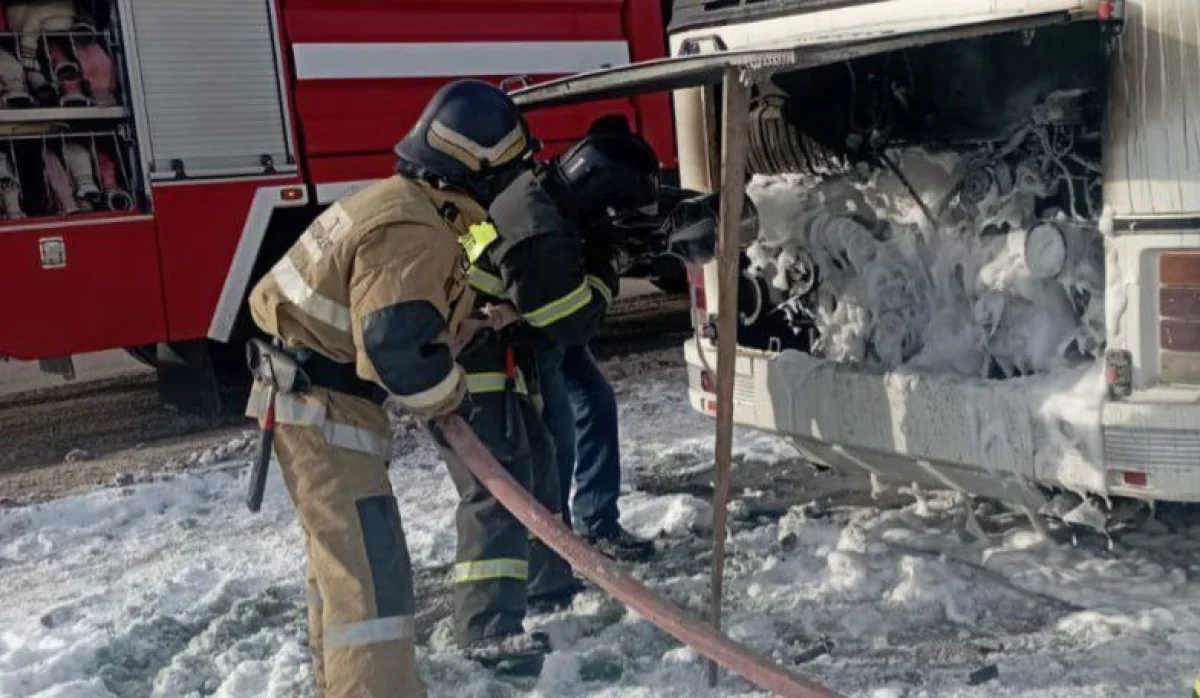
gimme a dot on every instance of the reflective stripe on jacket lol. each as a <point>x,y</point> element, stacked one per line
<point>537,263</point>
<point>379,280</point>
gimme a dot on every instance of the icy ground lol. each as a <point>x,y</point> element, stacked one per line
<point>171,588</point>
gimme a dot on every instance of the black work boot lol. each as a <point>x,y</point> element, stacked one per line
<point>516,654</point>
<point>615,542</point>
<point>554,601</point>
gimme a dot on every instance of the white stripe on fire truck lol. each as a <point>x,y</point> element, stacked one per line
<point>431,60</point>
<point>328,192</point>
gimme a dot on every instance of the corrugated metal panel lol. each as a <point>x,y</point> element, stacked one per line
<point>1153,153</point>
<point>743,389</point>
<point>210,84</point>
<point>1144,447</point>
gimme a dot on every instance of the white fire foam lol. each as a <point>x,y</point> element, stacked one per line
<point>955,304</point>
<point>959,297</point>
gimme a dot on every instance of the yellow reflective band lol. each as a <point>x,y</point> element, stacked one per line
<point>485,282</point>
<point>485,382</point>
<point>477,239</point>
<point>483,570</point>
<point>492,382</point>
<point>556,310</point>
<point>600,287</point>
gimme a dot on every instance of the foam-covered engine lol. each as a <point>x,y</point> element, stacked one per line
<point>981,263</point>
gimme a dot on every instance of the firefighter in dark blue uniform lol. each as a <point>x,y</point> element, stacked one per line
<point>604,180</point>
<point>553,261</point>
<point>546,257</point>
<point>531,259</point>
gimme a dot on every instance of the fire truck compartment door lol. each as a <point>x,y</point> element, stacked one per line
<point>707,67</point>
<point>210,87</point>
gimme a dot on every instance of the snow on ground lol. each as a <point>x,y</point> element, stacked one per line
<point>171,588</point>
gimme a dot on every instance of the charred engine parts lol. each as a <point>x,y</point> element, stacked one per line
<point>795,281</point>
<point>1003,277</point>
<point>801,274</point>
<point>1069,107</point>
<point>992,179</point>
<point>685,226</point>
<point>768,318</point>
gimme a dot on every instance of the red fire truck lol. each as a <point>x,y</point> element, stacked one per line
<point>142,197</point>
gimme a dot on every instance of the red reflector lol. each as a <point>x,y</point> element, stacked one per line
<point>1107,9</point>
<point>1135,479</point>
<point>707,383</point>
<point>710,406</point>
<point>696,277</point>
<point>1118,373</point>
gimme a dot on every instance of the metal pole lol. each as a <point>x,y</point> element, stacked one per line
<point>549,528</point>
<point>734,143</point>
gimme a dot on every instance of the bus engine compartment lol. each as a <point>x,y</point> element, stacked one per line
<point>936,209</point>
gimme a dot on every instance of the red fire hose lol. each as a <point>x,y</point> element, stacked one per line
<point>701,636</point>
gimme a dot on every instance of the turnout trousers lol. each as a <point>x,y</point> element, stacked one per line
<point>333,452</point>
<point>499,564</point>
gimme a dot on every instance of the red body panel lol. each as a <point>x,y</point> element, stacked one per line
<point>648,40</point>
<point>146,279</point>
<point>199,226</point>
<point>347,119</point>
<point>108,294</point>
<point>376,21</point>
<point>351,168</point>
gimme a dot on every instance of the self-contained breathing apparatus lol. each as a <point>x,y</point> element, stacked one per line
<point>682,224</point>
<point>610,182</point>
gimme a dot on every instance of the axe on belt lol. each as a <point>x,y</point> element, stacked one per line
<point>275,368</point>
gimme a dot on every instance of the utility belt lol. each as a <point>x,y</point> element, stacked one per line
<point>297,371</point>
<point>340,378</point>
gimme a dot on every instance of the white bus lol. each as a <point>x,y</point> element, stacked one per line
<point>978,264</point>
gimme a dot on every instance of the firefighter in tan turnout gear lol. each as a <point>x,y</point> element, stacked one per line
<point>366,304</point>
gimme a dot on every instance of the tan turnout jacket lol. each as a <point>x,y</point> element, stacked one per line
<point>391,243</point>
